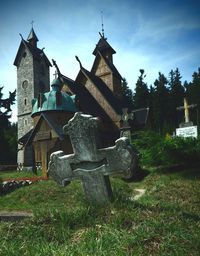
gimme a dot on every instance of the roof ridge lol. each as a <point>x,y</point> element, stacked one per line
<point>102,45</point>
<point>32,36</point>
<point>106,92</point>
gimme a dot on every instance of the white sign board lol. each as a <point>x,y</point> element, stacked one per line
<point>190,131</point>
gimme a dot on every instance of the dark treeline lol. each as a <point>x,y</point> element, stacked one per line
<point>163,98</point>
<point>8,131</point>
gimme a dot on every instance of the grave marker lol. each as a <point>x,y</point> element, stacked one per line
<point>90,164</point>
<point>186,129</point>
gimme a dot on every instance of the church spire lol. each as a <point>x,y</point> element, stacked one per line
<point>102,25</point>
<point>32,38</point>
<point>103,47</point>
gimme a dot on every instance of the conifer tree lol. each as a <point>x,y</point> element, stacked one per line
<point>127,94</point>
<point>5,127</point>
<point>176,96</point>
<point>161,102</point>
<point>141,95</point>
<point>193,94</point>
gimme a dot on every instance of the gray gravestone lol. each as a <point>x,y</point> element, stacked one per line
<point>90,164</point>
<point>125,130</point>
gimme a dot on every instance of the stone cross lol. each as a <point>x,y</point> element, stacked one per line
<point>126,129</point>
<point>186,108</point>
<point>90,164</point>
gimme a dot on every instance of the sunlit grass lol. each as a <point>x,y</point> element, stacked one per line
<point>164,221</point>
<point>6,175</point>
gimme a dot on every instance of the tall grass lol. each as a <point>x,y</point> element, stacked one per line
<point>164,221</point>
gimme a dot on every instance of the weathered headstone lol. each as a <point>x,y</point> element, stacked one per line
<point>90,164</point>
<point>125,130</point>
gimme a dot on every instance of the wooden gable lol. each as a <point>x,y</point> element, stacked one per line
<point>102,70</point>
<point>107,72</point>
<point>43,131</point>
<point>100,67</point>
<point>94,87</point>
<point>66,89</point>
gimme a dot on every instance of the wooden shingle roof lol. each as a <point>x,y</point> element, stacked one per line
<point>36,53</point>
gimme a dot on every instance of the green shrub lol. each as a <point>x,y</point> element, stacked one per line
<point>158,150</point>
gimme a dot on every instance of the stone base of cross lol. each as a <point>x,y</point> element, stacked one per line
<point>90,164</point>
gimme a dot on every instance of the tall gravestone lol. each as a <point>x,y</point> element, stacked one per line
<point>90,164</point>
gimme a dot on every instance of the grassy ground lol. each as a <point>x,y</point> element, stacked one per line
<point>164,221</point>
<point>17,174</point>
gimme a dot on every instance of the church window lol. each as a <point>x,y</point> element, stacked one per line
<point>40,100</point>
<point>58,98</point>
<point>25,84</point>
<point>25,122</point>
<point>25,101</point>
<point>24,55</point>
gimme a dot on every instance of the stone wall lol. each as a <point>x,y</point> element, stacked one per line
<point>24,93</point>
<point>32,78</point>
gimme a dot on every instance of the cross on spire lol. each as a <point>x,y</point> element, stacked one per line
<point>55,74</point>
<point>32,23</point>
<point>102,25</point>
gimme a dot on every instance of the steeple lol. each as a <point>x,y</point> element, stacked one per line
<point>32,38</point>
<point>104,48</point>
<point>102,25</point>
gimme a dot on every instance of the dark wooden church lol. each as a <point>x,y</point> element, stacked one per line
<point>43,112</point>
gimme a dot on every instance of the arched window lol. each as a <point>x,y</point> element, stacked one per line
<point>25,84</point>
<point>25,101</point>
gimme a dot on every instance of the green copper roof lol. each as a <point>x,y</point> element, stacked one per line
<point>55,100</point>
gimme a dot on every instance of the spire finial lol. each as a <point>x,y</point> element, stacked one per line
<point>102,25</point>
<point>32,23</point>
<point>77,58</point>
<point>21,36</point>
<point>57,68</point>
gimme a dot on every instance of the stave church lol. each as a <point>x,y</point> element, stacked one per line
<point>44,109</point>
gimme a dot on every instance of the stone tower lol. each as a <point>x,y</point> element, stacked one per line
<point>32,79</point>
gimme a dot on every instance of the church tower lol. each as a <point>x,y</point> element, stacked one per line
<point>32,79</point>
<point>104,68</point>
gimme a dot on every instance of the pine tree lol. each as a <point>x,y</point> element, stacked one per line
<point>141,95</point>
<point>161,103</point>
<point>193,95</point>
<point>5,126</point>
<point>151,118</point>
<point>176,96</point>
<point>127,94</point>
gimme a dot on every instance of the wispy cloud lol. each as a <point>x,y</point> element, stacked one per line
<point>154,35</point>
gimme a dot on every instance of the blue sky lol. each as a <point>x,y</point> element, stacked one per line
<point>153,35</point>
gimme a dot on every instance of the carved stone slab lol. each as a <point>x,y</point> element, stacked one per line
<point>90,164</point>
